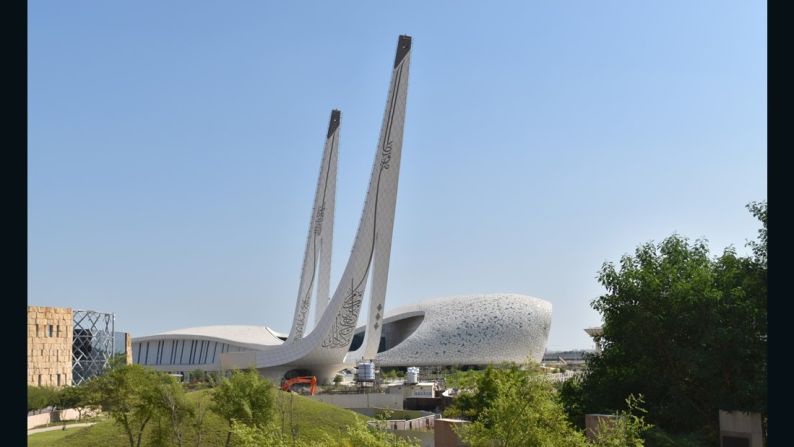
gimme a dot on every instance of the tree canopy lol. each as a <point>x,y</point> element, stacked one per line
<point>132,394</point>
<point>686,330</point>
<point>245,398</point>
<point>513,406</point>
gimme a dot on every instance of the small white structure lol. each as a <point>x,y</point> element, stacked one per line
<point>421,389</point>
<point>597,332</point>
<point>365,372</point>
<point>738,429</point>
<point>412,375</point>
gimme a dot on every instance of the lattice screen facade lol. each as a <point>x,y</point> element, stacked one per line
<point>93,344</point>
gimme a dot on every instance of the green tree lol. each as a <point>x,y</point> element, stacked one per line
<point>686,330</point>
<point>246,398</point>
<point>355,435</point>
<point>213,378</point>
<point>177,410</point>
<point>338,379</point>
<point>514,406</point>
<point>132,396</point>
<point>198,376</point>
<point>572,395</point>
<point>627,430</point>
<point>480,391</point>
<point>252,436</point>
<point>78,397</point>
<point>199,412</point>
<point>41,397</point>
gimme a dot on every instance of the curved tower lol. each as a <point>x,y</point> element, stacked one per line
<point>327,344</point>
<point>316,271</point>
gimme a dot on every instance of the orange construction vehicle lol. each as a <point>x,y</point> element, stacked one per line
<point>311,380</point>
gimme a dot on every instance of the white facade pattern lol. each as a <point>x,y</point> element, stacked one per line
<point>325,349</point>
<point>469,330</point>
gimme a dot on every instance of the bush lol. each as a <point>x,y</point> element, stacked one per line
<point>198,376</point>
<point>245,398</point>
<point>513,406</point>
<point>627,430</point>
<point>41,397</point>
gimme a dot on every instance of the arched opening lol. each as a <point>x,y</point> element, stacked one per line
<point>392,334</point>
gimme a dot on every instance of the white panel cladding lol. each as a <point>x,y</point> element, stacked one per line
<point>319,240</point>
<point>391,140</point>
<point>326,241</point>
<point>174,351</point>
<point>473,330</point>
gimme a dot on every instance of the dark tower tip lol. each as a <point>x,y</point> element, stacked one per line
<point>336,117</point>
<point>403,47</point>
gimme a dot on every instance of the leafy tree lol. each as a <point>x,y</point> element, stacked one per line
<point>686,330</point>
<point>177,410</point>
<point>246,398</point>
<point>132,396</point>
<point>338,379</point>
<point>481,391</point>
<point>355,435</point>
<point>213,378</point>
<point>758,209</point>
<point>118,359</point>
<point>572,395</point>
<point>78,397</point>
<point>41,397</point>
<point>199,412</point>
<point>463,379</point>
<point>514,406</point>
<point>627,430</point>
<point>252,436</point>
<point>198,376</point>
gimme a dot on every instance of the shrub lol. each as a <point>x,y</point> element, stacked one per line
<point>41,397</point>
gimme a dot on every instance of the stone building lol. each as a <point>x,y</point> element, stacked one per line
<point>69,346</point>
<point>49,346</point>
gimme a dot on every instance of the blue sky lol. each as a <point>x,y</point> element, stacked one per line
<point>174,147</point>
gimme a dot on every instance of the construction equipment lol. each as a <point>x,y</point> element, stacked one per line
<point>287,384</point>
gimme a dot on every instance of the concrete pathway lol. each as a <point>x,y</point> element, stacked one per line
<point>33,431</point>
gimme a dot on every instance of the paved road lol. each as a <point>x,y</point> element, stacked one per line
<point>59,427</point>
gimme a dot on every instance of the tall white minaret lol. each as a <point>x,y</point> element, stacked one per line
<point>316,271</point>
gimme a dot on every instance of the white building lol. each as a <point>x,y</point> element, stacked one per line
<point>477,329</point>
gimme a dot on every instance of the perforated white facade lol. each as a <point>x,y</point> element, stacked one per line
<point>466,330</point>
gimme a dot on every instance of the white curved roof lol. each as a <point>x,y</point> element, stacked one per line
<point>467,330</point>
<point>243,335</point>
<point>471,329</point>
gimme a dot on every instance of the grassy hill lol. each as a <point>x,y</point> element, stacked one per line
<point>313,420</point>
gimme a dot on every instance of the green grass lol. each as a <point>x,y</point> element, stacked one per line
<point>47,438</point>
<point>314,421</point>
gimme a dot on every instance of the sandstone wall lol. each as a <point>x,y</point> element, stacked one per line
<point>49,346</point>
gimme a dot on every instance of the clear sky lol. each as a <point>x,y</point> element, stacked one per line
<point>174,147</point>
